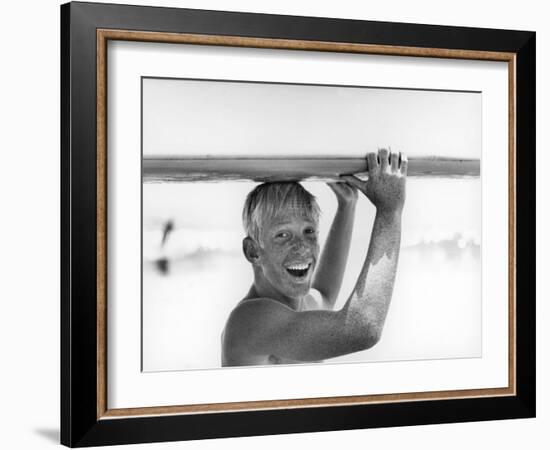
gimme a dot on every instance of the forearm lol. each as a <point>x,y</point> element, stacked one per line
<point>332,264</point>
<point>366,309</point>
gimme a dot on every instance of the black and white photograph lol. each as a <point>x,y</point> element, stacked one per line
<point>292,223</point>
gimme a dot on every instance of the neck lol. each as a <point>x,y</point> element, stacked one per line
<point>263,289</point>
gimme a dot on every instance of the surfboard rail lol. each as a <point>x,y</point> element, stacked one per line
<point>291,168</point>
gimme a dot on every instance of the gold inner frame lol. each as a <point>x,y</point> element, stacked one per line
<point>103,36</point>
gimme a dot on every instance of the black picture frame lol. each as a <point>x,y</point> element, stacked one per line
<point>80,424</point>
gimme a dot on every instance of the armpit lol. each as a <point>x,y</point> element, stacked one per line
<point>313,300</point>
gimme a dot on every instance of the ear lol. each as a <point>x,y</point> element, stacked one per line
<point>250,250</point>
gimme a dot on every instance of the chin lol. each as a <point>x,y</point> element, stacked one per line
<point>297,290</point>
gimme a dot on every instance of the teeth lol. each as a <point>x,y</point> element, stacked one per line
<point>298,267</point>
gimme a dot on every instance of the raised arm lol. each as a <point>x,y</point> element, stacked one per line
<point>332,264</point>
<point>368,304</point>
<point>265,326</point>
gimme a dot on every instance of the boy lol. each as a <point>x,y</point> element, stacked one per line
<point>288,315</point>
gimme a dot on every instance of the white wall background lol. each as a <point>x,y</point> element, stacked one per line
<point>29,229</point>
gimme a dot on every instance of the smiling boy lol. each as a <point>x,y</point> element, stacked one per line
<point>288,314</point>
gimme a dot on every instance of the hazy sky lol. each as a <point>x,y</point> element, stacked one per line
<point>434,208</point>
<point>185,117</point>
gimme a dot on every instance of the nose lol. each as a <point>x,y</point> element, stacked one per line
<point>299,244</point>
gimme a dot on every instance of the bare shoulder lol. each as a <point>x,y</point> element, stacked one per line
<point>254,311</point>
<point>263,308</point>
<point>249,323</point>
<point>255,318</point>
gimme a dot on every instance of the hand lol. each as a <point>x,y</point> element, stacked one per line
<point>346,194</point>
<point>385,186</point>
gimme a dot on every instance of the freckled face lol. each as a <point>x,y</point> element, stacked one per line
<point>288,253</point>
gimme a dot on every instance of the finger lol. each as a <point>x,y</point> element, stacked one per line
<point>353,181</point>
<point>384,154</point>
<point>404,164</point>
<point>372,162</point>
<point>337,186</point>
<point>347,187</point>
<point>343,186</point>
<point>394,161</point>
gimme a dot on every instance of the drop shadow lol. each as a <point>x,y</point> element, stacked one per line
<point>50,434</point>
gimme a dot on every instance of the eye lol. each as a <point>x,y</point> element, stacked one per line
<point>282,234</point>
<point>310,231</point>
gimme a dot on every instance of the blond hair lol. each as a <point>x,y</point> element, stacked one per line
<point>267,200</point>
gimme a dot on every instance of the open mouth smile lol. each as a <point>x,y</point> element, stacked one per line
<point>298,270</point>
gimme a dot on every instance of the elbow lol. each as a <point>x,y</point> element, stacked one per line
<point>372,337</point>
<point>362,332</point>
<point>367,337</point>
